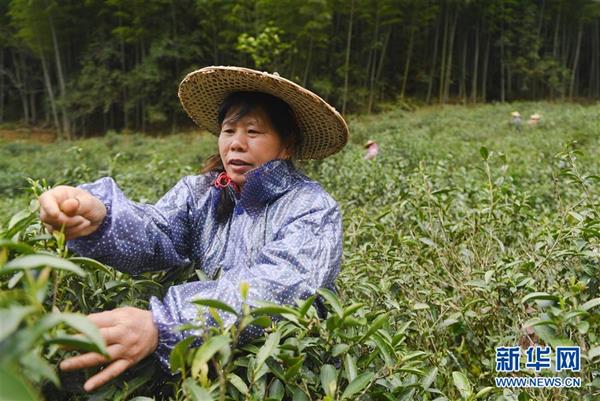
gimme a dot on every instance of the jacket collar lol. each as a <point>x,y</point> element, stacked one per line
<point>268,182</point>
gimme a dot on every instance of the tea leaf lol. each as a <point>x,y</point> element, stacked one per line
<point>12,317</point>
<point>329,380</point>
<point>267,350</point>
<point>215,303</point>
<point>592,303</point>
<point>206,351</point>
<point>462,384</point>
<point>14,387</point>
<point>35,261</point>
<point>357,385</point>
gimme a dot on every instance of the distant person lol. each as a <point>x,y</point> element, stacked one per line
<point>372,149</point>
<point>534,120</point>
<point>516,120</point>
<point>250,217</point>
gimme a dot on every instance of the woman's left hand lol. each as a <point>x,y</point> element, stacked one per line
<point>130,335</point>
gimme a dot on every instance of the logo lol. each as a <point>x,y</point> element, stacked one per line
<point>538,359</point>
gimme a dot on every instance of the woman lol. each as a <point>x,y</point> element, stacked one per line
<point>251,217</point>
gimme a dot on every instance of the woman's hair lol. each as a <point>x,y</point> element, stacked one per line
<point>281,118</point>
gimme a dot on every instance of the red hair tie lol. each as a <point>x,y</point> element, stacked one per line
<point>223,180</point>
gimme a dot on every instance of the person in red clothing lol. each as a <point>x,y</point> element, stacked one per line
<point>372,149</point>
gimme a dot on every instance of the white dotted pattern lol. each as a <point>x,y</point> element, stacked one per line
<point>284,239</point>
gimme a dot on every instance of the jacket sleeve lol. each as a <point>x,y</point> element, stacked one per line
<point>136,237</point>
<point>304,255</point>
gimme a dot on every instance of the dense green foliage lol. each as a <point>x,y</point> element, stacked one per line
<point>90,66</point>
<point>463,235</point>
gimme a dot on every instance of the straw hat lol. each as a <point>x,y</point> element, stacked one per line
<point>369,143</point>
<point>201,92</point>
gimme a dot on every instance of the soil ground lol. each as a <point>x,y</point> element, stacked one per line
<point>35,135</point>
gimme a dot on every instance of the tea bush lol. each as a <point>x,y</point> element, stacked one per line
<point>462,236</point>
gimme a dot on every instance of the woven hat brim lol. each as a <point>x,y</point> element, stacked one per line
<point>202,91</point>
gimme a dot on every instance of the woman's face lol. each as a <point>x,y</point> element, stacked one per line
<point>247,143</point>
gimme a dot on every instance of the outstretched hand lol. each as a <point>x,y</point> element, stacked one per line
<point>78,211</point>
<point>130,335</point>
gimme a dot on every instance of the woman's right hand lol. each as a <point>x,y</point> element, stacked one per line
<point>77,210</point>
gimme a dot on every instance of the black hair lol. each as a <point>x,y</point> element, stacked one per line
<point>282,119</point>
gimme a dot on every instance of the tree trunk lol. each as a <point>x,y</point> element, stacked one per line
<point>125,92</point>
<point>508,81</point>
<point>111,117</point>
<point>386,40</point>
<point>592,76</point>
<point>175,35</point>
<point>177,68</point>
<point>367,74</point>
<point>51,99</point>
<point>433,62</point>
<point>541,20</point>
<point>21,85</point>
<point>555,52</point>
<point>535,82</point>
<point>1,85</point>
<point>555,41</point>
<point>443,65</point>
<point>215,41</point>
<point>66,123</point>
<point>502,73</point>
<point>484,74</point>
<point>450,53</point>
<point>334,29</point>
<point>32,108</point>
<point>463,75</point>
<point>143,99</point>
<point>291,61</point>
<point>347,61</point>
<point>411,42</point>
<point>372,63</point>
<point>308,61</point>
<point>136,121</point>
<point>564,49</point>
<point>475,67</point>
<point>575,60</point>
<point>595,63</point>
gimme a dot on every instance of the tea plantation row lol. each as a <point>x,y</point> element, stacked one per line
<point>465,234</point>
